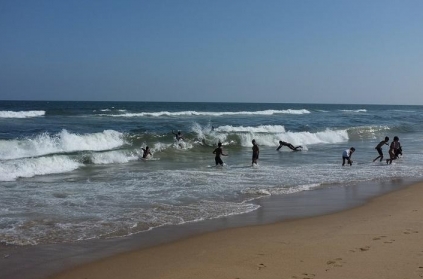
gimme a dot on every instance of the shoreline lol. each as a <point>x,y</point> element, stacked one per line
<point>59,260</point>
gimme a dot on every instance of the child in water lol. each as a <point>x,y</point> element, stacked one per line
<point>256,152</point>
<point>146,152</point>
<point>379,148</point>
<point>284,143</point>
<point>178,135</point>
<point>393,150</point>
<point>219,152</point>
<point>346,155</point>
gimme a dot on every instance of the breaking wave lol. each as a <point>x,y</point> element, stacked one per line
<point>61,142</point>
<point>204,113</point>
<point>270,135</point>
<point>11,170</point>
<point>21,114</point>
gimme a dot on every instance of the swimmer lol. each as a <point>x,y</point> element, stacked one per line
<point>178,135</point>
<point>283,143</point>
<point>146,152</point>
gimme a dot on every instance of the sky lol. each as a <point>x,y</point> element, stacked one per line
<point>297,51</point>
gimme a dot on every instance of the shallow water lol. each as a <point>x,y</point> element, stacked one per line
<point>72,170</point>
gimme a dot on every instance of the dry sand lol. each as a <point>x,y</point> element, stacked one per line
<point>381,239</point>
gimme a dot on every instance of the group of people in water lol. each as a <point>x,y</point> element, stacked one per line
<point>395,150</point>
<point>146,150</point>
<point>256,150</point>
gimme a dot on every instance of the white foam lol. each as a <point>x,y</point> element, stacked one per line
<point>270,135</point>
<point>11,170</point>
<point>259,129</point>
<point>112,157</point>
<point>159,146</point>
<point>61,142</point>
<point>353,110</point>
<point>22,114</point>
<point>182,145</point>
<point>280,190</point>
<point>293,189</point>
<point>366,132</point>
<point>266,135</point>
<point>205,113</point>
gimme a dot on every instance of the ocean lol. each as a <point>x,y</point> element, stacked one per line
<point>72,171</point>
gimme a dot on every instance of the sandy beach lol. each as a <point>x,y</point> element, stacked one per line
<point>380,239</point>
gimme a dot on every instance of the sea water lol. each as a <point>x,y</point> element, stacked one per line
<point>72,171</point>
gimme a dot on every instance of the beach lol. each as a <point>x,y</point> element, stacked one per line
<point>380,239</point>
<point>209,140</point>
<point>74,191</point>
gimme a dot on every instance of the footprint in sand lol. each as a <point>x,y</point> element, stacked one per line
<point>334,263</point>
<point>361,249</point>
<point>379,237</point>
<point>304,276</point>
<point>365,248</point>
<point>410,231</point>
<point>261,266</point>
<point>308,275</point>
<point>419,271</point>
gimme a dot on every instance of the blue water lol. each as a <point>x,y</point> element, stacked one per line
<point>72,170</point>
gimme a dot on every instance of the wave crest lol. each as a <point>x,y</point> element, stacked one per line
<point>61,142</point>
<point>270,135</point>
<point>21,114</point>
<point>12,170</point>
<point>205,113</point>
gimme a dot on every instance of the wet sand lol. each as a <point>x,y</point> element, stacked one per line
<point>379,239</point>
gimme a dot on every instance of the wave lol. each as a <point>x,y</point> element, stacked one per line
<point>21,114</point>
<point>12,170</point>
<point>259,129</point>
<point>113,157</point>
<point>353,110</point>
<point>269,135</point>
<point>62,142</point>
<point>254,193</point>
<point>366,132</point>
<point>205,113</point>
<point>110,110</point>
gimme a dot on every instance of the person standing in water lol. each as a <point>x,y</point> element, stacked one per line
<point>346,155</point>
<point>284,143</point>
<point>379,148</point>
<point>256,152</point>
<point>393,149</point>
<point>219,152</point>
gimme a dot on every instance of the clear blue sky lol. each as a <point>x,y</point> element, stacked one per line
<point>307,51</point>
